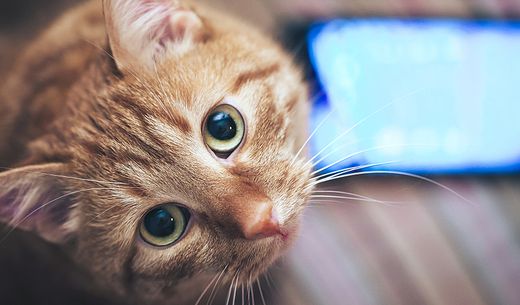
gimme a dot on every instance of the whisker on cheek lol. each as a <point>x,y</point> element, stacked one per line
<point>360,122</point>
<point>216,278</point>
<point>398,173</point>
<point>235,290</point>
<point>354,196</point>
<point>242,293</point>
<point>248,292</point>
<point>332,175</point>
<point>310,136</point>
<point>251,287</point>
<point>342,159</point>
<point>333,151</point>
<point>362,152</point>
<point>346,132</point>
<point>355,199</point>
<point>213,291</point>
<point>235,278</point>
<point>268,280</point>
<point>206,289</point>
<point>260,290</point>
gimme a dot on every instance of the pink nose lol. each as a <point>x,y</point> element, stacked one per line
<point>262,222</point>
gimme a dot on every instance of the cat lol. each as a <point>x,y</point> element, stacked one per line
<point>159,143</point>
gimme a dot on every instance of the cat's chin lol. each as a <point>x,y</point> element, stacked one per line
<point>272,248</point>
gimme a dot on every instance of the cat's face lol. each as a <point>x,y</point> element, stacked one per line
<point>189,155</point>
<point>231,184</point>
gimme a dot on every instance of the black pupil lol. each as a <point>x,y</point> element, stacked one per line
<point>221,126</point>
<point>159,223</point>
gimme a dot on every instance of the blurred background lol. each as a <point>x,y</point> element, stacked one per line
<point>369,238</point>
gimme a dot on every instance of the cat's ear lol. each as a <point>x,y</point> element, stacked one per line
<point>143,32</point>
<point>34,198</point>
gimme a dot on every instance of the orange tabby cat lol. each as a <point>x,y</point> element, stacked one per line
<point>155,143</point>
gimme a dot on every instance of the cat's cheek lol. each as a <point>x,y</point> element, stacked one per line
<point>184,291</point>
<point>188,290</point>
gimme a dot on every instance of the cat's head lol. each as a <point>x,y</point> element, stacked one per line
<point>179,159</point>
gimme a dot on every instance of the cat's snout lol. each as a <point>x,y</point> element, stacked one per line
<point>262,222</point>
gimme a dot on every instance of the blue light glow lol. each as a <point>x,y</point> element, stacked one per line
<point>436,96</point>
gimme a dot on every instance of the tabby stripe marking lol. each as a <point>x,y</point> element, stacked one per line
<point>253,75</point>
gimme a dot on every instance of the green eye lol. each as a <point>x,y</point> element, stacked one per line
<point>164,225</point>
<point>224,130</point>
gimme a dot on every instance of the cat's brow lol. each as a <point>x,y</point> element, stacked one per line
<point>176,119</point>
<point>256,74</point>
<point>139,110</point>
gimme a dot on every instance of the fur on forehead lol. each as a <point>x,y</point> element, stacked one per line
<point>197,81</point>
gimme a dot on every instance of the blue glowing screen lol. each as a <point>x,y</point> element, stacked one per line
<point>423,96</point>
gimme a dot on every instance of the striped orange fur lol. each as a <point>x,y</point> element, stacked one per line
<point>112,127</point>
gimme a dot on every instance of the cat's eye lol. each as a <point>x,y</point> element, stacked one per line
<point>223,130</point>
<point>164,225</point>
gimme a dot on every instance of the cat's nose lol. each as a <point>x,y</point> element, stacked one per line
<point>262,222</point>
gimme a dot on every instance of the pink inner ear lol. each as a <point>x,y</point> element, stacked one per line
<point>35,202</point>
<point>183,24</point>
<point>49,207</point>
<point>143,32</point>
<point>171,24</point>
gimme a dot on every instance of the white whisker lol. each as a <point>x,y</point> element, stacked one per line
<point>318,197</point>
<point>268,280</point>
<point>100,214</point>
<point>361,152</point>
<point>252,291</point>
<point>243,297</point>
<point>310,136</point>
<point>213,290</point>
<point>333,151</point>
<point>235,290</point>
<point>231,287</point>
<point>209,285</point>
<point>403,174</point>
<point>70,177</point>
<point>330,176</point>
<point>248,293</point>
<point>347,132</point>
<point>261,293</point>
<point>327,192</point>
<point>362,121</point>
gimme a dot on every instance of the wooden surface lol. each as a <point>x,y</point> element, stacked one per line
<point>427,246</point>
